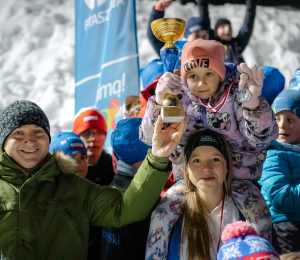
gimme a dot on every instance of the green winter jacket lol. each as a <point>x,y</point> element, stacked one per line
<point>47,214</point>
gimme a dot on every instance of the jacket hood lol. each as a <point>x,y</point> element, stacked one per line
<point>53,165</point>
<point>231,71</point>
<point>65,162</point>
<point>274,144</point>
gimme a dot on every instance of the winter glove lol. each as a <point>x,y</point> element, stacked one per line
<point>254,79</point>
<point>168,83</point>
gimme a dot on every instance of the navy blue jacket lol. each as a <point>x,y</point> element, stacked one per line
<point>128,242</point>
<point>234,48</point>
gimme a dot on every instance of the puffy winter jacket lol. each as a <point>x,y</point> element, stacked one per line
<point>247,131</point>
<point>47,214</point>
<point>280,182</point>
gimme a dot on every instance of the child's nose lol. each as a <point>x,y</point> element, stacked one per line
<point>281,124</point>
<point>206,165</point>
<point>201,83</point>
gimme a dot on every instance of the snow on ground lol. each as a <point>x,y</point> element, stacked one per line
<point>37,48</point>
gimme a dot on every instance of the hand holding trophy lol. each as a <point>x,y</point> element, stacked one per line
<point>169,30</point>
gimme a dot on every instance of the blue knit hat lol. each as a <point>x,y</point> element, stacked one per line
<point>295,81</point>
<point>195,24</point>
<point>242,242</point>
<point>289,99</point>
<point>67,142</point>
<point>125,141</point>
<point>273,83</point>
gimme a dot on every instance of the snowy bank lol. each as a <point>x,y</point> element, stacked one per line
<point>37,48</point>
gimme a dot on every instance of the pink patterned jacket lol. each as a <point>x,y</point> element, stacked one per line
<point>247,131</point>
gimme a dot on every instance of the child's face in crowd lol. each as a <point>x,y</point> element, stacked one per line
<point>289,127</point>
<point>82,164</point>
<point>203,82</point>
<point>93,140</point>
<point>200,34</point>
<point>225,32</point>
<point>207,169</point>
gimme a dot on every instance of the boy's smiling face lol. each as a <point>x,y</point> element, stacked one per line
<point>289,127</point>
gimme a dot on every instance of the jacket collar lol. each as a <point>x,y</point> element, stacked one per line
<point>125,169</point>
<point>283,146</point>
<point>15,174</point>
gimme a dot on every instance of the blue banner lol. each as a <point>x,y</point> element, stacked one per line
<point>106,57</point>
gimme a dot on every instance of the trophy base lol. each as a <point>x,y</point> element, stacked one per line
<point>172,114</point>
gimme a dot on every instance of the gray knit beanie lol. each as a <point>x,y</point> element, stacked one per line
<point>21,112</point>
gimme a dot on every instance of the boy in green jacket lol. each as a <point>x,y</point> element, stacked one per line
<point>45,213</point>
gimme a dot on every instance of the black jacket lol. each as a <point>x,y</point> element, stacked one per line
<point>156,44</point>
<point>102,173</point>
<point>234,48</point>
<point>129,242</point>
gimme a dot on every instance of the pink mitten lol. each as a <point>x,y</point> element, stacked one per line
<point>168,83</point>
<point>254,78</point>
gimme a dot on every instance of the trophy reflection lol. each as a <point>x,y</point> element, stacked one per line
<point>169,30</point>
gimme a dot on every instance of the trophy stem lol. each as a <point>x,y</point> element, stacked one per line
<point>168,45</point>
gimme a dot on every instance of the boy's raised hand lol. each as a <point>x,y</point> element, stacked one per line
<point>163,4</point>
<point>254,78</point>
<point>168,83</point>
<point>164,142</point>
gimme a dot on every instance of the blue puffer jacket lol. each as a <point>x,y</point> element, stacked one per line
<point>280,182</point>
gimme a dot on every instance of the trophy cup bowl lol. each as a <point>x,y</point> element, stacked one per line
<point>169,30</point>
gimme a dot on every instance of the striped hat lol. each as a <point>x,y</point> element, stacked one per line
<point>89,118</point>
<point>68,143</point>
<point>241,242</point>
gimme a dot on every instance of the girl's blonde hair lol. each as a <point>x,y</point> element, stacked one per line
<point>291,256</point>
<point>196,229</point>
<point>216,95</point>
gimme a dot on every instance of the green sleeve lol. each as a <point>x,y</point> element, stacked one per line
<point>111,207</point>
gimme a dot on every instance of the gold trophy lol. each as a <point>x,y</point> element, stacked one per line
<point>169,30</point>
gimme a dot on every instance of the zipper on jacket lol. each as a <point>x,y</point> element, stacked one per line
<point>26,174</point>
<point>204,117</point>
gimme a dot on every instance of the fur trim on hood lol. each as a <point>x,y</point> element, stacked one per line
<point>65,162</point>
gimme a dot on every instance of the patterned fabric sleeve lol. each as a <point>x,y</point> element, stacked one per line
<point>253,206</point>
<point>247,197</point>
<point>163,218</point>
<point>147,127</point>
<point>259,127</point>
